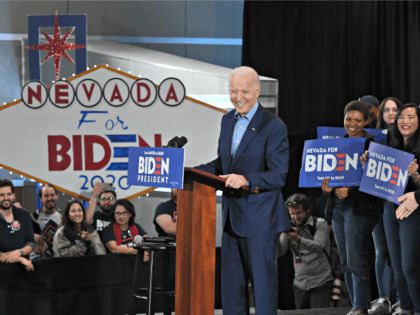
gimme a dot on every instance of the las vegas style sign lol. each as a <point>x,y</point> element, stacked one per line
<point>79,131</point>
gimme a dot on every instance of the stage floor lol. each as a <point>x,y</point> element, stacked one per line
<point>318,311</point>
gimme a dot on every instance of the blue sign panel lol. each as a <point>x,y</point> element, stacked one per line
<point>156,167</point>
<point>335,132</point>
<point>385,173</point>
<point>338,159</point>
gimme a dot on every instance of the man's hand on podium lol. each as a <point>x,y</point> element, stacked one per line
<point>235,181</point>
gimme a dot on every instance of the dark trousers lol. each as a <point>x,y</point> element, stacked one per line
<point>245,259</point>
<point>383,267</point>
<point>313,298</point>
<point>403,241</point>
<point>351,232</point>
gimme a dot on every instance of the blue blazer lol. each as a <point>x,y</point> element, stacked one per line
<point>263,158</point>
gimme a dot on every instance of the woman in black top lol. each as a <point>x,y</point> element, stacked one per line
<point>402,224</point>
<point>354,214</point>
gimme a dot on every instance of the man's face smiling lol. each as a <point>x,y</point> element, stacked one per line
<point>243,93</point>
<point>298,215</point>
<point>49,198</point>
<point>6,197</point>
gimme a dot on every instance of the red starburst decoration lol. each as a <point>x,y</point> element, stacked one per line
<point>57,46</point>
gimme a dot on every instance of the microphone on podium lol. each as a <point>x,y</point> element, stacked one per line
<point>176,142</point>
<point>181,142</point>
<point>138,239</point>
<point>172,142</point>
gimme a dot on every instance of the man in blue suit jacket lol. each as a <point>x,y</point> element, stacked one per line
<point>253,151</point>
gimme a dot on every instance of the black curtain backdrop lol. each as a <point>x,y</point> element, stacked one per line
<point>325,54</point>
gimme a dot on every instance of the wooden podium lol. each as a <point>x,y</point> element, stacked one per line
<point>196,243</point>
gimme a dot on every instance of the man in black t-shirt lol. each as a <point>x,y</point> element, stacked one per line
<point>165,217</point>
<point>16,233</point>
<point>106,196</point>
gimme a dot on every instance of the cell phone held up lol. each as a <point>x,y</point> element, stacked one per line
<point>293,224</point>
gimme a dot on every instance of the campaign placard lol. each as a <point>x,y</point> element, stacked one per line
<point>48,234</point>
<point>385,173</point>
<point>338,159</point>
<point>156,167</point>
<point>380,135</point>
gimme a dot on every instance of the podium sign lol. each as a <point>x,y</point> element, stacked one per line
<point>157,167</point>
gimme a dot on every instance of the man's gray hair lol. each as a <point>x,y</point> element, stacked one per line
<point>244,70</point>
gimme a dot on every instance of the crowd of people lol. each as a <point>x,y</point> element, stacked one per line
<point>356,216</point>
<point>50,232</point>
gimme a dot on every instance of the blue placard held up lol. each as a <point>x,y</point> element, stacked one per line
<point>380,135</point>
<point>385,173</point>
<point>156,167</point>
<point>338,159</point>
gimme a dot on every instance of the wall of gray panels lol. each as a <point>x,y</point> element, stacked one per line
<point>208,19</point>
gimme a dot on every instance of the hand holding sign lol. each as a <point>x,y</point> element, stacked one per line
<point>412,168</point>
<point>324,187</point>
<point>363,158</point>
<point>407,206</point>
<point>342,192</point>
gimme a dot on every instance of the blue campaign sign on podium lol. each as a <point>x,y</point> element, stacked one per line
<point>156,167</point>
<point>380,135</point>
<point>338,159</point>
<point>385,174</point>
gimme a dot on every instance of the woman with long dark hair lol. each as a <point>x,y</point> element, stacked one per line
<point>353,214</point>
<point>119,236</point>
<point>387,112</point>
<point>75,237</point>
<point>402,223</point>
<point>383,268</point>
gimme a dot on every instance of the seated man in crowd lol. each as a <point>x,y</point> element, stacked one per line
<point>165,217</point>
<point>102,218</point>
<point>16,233</point>
<point>48,215</point>
<point>310,244</point>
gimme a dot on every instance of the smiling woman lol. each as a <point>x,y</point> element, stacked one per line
<point>353,214</point>
<point>75,237</point>
<point>119,237</point>
<point>401,223</point>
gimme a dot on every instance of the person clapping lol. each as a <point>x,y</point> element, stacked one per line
<point>75,237</point>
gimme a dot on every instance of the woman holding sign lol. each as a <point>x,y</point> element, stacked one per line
<point>402,224</point>
<point>383,269</point>
<point>353,214</point>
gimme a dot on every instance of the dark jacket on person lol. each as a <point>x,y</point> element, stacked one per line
<point>362,203</point>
